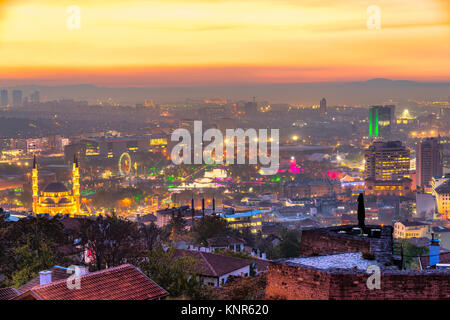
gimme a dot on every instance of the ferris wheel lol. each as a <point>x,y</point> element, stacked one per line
<point>125,164</point>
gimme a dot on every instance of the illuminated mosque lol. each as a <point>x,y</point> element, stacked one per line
<point>55,198</point>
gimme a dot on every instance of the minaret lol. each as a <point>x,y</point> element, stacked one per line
<point>76,182</point>
<point>35,187</point>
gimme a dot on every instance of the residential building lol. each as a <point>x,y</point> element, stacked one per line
<point>411,229</point>
<point>443,199</point>
<point>124,282</point>
<point>241,220</point>
<point>228,242</point>
<point>215,269</point>
<point>429,161</point>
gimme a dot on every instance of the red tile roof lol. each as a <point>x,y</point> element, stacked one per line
<point>124,282</point>
<point>214,265</point>
<point>224,241</point>
<point>58,273</point>
<point>8,293</point>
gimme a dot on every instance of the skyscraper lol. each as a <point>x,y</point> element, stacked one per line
<point>387,169</point>
<point>323,106</point>
<point>35,97</point>
<point>429,161</point>
<point>4,98</point>
<point>251,108</point>
<point>17,98</point>
<point>381,119</point>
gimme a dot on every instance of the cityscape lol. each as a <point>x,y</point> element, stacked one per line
<point>199,174</point>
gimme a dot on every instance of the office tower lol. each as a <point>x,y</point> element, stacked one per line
<point>4,98</point>
<point>429,161</point>
<point>251,108</point>
<point>387,161</point>
<point>323,106</point>
<point>387,169</point>
<point>381,119</point>
<point>35,97</point>
<point>17,98</point>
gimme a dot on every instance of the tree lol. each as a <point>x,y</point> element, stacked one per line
<point>178,275</point>
<point>177,223</point>
<point>29,261</point>
<point>247,288</point>
<point>31,245</point>
<point>209,227</point>
<point>3,240</point>
<point>110,241</point>
<point>411,253</point>
<point>151,234</point>
<point>290,244</point>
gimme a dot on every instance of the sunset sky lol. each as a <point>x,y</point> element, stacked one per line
<point>198,42</point>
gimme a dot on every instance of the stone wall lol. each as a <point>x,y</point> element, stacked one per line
<point>294,282</point>
<point>325,241</point>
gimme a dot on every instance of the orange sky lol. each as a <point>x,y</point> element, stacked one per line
<point>180,42</point>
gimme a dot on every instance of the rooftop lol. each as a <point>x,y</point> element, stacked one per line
<point>55,187</point>
<point>214,265</point>
<point>124,282</point>
<point>224,241</point>
<point>334,261</point>
<point>413,223</point>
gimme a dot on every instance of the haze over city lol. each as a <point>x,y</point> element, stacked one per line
<point>225,158</point>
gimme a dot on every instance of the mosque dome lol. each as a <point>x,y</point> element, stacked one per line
<point>55,187</point>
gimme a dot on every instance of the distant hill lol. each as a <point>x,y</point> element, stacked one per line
<point>373,91</point>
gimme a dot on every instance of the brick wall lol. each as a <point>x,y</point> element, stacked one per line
<point>286,282</point>
<point>321,242</point>
<point>291,282</point>
<point>324,241</point>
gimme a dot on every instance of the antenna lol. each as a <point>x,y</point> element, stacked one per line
<point>192,208</point>
<point>203,206</point>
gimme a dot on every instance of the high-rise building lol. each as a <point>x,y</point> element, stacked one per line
<point>251,108</point>
<point>429,161</point>
<point>387,161</point>
<point>387,169</point>
<point>17,98</point>
<point>35,97</point>
<point>443,199</point>
<point>323,106</point>
<point>381,119</point>
<point>4,98</point>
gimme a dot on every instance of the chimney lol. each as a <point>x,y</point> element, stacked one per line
<point>192,208</point>
<point>434,251</point>
<point>82,269</point>
<point>45,277</point>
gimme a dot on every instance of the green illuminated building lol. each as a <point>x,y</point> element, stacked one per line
<point>381,119</point>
